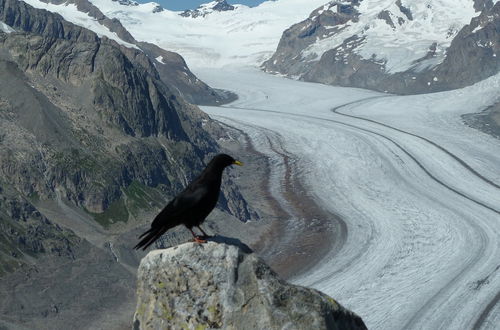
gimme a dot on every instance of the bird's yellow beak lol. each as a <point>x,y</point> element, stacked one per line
<point>237,162</point>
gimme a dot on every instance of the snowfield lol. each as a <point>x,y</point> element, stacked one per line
<point>418,190</point>
<point>242,36</point>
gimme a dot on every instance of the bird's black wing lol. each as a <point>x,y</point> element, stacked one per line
<point>188,199</point>
<point>173,214</point>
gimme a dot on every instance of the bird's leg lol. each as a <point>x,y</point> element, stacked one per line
<point>205,235</point>
<point>197,238</point>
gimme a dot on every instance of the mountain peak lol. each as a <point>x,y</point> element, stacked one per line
<point>208,8</point>
<point>127,2</point>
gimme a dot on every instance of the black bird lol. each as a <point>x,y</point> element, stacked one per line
<point>192,205</point>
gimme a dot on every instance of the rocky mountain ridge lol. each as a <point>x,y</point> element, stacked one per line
<point>171,66</point>
<point>343,43</point>
<point>93,142</point>
<point>115,78</point>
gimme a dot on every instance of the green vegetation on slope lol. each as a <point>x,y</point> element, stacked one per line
<point>136,198</point>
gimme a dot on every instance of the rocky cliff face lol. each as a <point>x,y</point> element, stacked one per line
<point>89,102</point>
<point>219,286</point>
<point>93,142</point>
<point>474,54</point>
<point>25,231</point>
<point>351,43</point>
<point>173,71</point>
<point>86,102</point>
<point>171,67</point>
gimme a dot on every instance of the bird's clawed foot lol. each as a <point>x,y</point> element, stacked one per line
<point>205,235</point>
<point>199,239</point>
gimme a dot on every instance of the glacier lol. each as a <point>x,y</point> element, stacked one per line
<point>418,190</point>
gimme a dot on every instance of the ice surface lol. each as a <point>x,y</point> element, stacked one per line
<point>422,249</point>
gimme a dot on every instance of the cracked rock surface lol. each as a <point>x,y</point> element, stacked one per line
<point>225,286</point>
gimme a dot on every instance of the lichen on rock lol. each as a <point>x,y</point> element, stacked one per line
<point>221,286</point>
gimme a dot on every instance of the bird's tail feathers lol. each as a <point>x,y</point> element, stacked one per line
<point>146,232</point>
<point>151,235</point>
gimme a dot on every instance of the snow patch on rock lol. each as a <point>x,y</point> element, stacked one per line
<point>71,13</point>
<point>6,28</point>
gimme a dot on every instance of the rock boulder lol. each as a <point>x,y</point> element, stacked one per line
<point>200,286</point>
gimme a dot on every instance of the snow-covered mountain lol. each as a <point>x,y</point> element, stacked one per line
<point>398,46</point>
<point>208,8</point>
<point>243,36</point>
